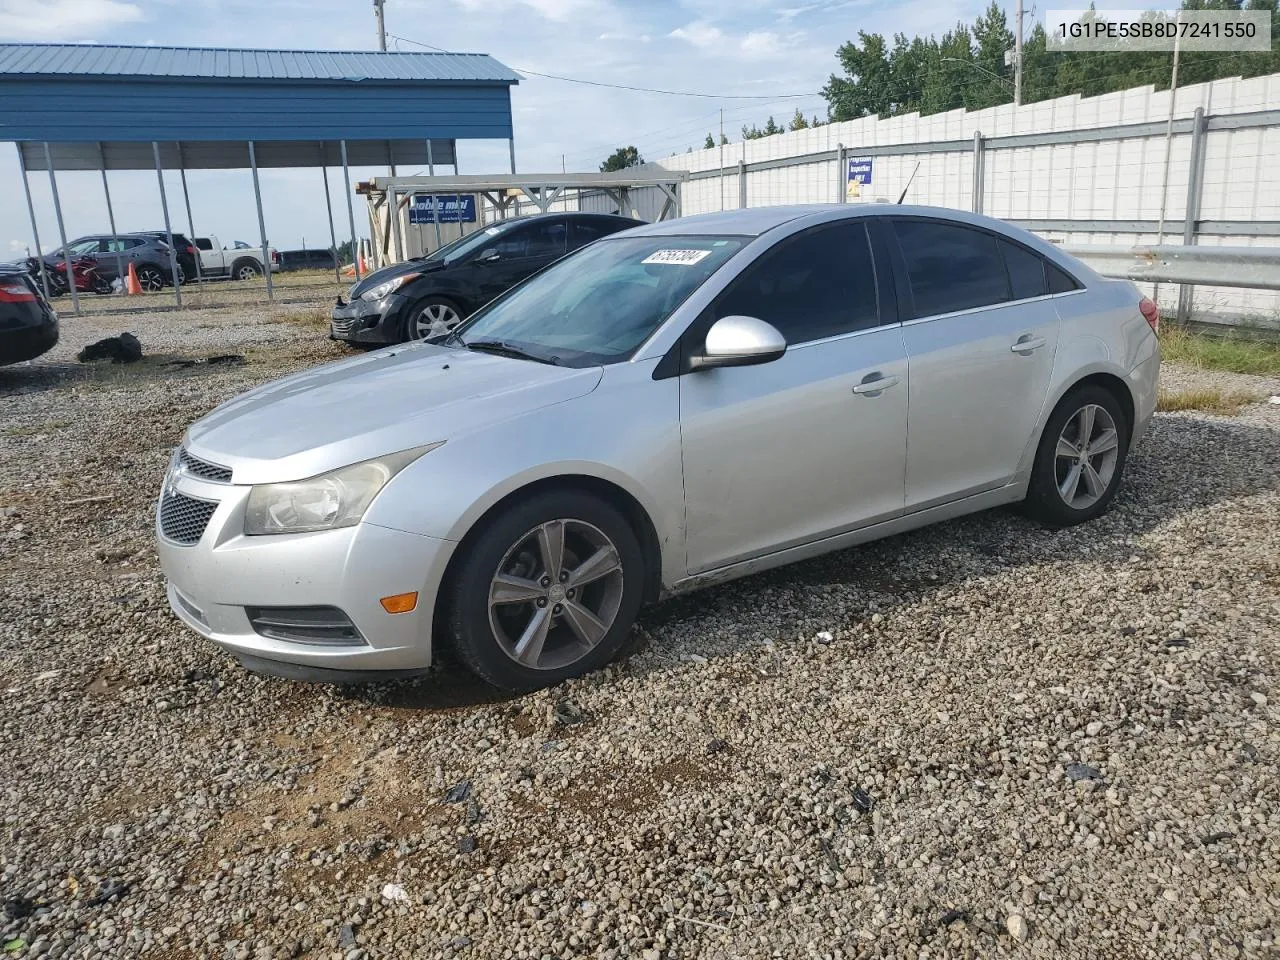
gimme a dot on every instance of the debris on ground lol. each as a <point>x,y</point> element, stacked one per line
<point>122,348</point>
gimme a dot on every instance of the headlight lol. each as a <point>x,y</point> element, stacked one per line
<point>327,502</point>
<point>388,286</point>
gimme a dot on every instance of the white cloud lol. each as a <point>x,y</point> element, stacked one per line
<point>64,19</point>
<point>558,10</point>
<point>700,33</point>
<point>766,43</point>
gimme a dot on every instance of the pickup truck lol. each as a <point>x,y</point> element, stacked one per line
<point>241,262</point>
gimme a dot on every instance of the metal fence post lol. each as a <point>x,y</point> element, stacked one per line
<point>351,213</point>
<point>978,160</point>
<point>262,223</point>
<point>191,222</point>
<point>35,230</point>
<point>1195,189</point>
<point>62,232</point>
<point>328,206</point>
<point>111,216</point>
<point>742,184</point>
<point>168,227</point>
<point>842,166</point>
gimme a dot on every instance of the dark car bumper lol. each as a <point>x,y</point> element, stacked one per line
<point>376,323</point>
<point>27,342</point>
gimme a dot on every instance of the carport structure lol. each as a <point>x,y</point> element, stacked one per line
<point>91,107</point>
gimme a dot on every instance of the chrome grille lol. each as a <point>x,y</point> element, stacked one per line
<point>183,519</point>
<point>341,328</point>
<point>203,469</point>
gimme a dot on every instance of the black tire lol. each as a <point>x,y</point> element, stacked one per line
<point>471,635</point>
<point>408,326</point>
<point>245,269</point>
<point>150,278</point>
<point>1045,502</point>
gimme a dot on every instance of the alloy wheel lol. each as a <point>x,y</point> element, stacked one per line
<point>434,320</point>
<point>555,594</point>
<point>1086,456</point>
<point>151,281</point>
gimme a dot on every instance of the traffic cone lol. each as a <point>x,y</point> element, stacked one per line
<point>132,286</point>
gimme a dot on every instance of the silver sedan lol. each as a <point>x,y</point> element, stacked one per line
<point>673,406</point>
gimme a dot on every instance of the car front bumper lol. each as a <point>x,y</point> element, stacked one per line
<point>361,321</point>
<point>214,580</point>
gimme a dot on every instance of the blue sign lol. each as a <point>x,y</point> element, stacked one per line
<point>859,176</point>
<point>460,208</point>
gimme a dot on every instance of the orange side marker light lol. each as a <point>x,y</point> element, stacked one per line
<point>400,603</point>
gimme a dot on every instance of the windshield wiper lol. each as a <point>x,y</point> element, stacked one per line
<point>502,348</point>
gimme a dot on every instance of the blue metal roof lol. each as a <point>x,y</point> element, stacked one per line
<point>206,63</point>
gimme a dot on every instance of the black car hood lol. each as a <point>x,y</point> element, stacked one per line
<point>395,270</point>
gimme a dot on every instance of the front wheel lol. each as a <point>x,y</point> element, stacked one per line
<point>1080,461</point>
<point>547,591</point>
<point>431,317</point>
<point>150,279</point>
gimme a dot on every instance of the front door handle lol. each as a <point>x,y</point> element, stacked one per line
<point>1027,343</point>
<point>874,383</point>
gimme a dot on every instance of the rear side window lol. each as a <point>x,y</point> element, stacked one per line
<point>951,267</point>
<point>1026,271</point>
<point>1059,281</point>
<point>585,230</point>
<point>819,284</point>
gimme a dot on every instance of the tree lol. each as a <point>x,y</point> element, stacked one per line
<point>864,89</point>
<point>710,142</point>
<point>622,158</point>
<point>798,122</point>
<point>723,140</point>
<point>991,38</point>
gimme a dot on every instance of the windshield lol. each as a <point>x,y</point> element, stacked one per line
<point>598,305</point>
<point>454,251</point>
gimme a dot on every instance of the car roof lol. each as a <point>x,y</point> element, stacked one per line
<point>754,221</point>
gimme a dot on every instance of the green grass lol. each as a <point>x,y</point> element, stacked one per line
<point>1233,353</point>
<point>1225,403</point>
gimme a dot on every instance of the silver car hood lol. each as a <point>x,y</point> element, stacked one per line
<point>369,406</point>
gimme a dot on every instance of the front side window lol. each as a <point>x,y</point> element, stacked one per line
<point>951,267</point>
<point>600,304</point>
<point>821,283</point>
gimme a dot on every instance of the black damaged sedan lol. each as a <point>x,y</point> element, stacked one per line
<point>28,325</point>
<point>429,296</point>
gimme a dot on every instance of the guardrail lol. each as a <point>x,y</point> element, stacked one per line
<point>1250,267</point>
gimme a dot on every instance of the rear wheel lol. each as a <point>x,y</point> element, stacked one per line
<point>1080,461</point>
<point>245,270</point>
<point>150,278</point>
<point>548,590</point>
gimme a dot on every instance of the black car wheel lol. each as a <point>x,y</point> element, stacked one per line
<point>431,317</point>
<point>150,278</point>
<point>245,270</point>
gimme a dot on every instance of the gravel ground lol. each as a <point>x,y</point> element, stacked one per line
<point>981,739</point>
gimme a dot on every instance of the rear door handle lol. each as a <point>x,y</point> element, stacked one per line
<point>874,383</point>
<point>1028,343</point>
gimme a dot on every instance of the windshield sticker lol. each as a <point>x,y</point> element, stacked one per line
<point>677,258</point>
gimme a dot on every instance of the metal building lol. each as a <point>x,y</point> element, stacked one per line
<point>190,108</point>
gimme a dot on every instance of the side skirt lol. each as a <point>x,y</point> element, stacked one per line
<point>1011,493</point>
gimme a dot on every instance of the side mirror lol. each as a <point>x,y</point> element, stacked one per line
<point>739,342</point>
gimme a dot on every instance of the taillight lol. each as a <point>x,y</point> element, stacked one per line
<point>16,293</point>
<point>1151,312</point>
<point>275,256</point>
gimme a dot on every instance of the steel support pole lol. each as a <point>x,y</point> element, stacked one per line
<point>393,215</point>
<point>62,231</point>
<point>435,202</point>
<point>328,206</point>
<point>351,213</point>
<point>168,226</point>
<point>1195,190</point>
<point>191,223</point>
<point>842,165</point>
<point>511,146</point>
<point>262,223</point>
<point>111,215</point>
<point>35,230</point>
<point>742,184</point>
<point>978,161</point>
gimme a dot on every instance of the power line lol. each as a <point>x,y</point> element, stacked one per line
<point>623,86</point>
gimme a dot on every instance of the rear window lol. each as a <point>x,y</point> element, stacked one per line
<point>1059,280</point>
<point>1026,271</point>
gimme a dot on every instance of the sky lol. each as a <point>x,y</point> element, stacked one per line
<point>773,49</point>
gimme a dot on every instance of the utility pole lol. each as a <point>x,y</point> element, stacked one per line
<point>382,24</point>
<point>722,158</point>
<point>1017,56</point>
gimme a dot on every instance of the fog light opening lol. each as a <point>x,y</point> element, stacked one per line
<point>400,603</point>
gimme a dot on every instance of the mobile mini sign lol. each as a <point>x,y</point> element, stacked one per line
<point>858,176</point>
<point>460,208</point>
